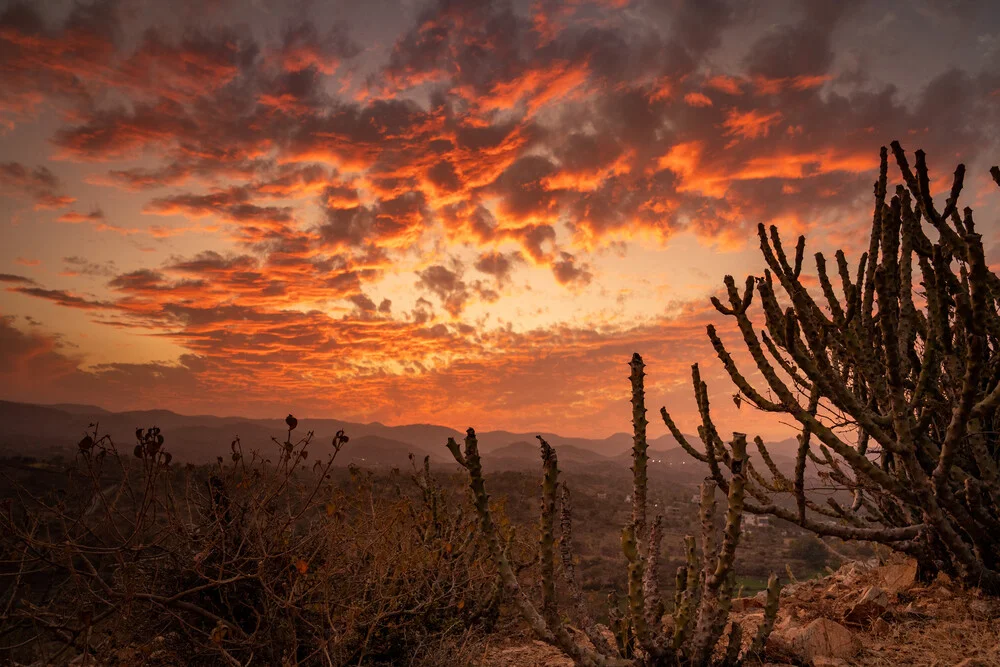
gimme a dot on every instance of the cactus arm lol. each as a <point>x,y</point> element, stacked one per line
<point>682,441</point>
<point>680,584</point>
<point>734,512</point>
<point>756,648</point>
<point>557,636</point>
<point>651,589</point>
<point>800,458</point>
<point>683,613</point>
<point>733,645</point>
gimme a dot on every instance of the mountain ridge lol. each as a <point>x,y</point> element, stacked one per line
<point>28,428</point>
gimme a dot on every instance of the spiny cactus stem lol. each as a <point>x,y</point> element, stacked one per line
<point>770,614</point>
<point>689,598</point>
<point>635,577</point>
<point>734,512</point>
<point>651,587</point>
<point>680,583</point>
<point>546,551</point>
<point>734,645</point>
<point>557,635</point>
<point>639,458</point>
<point>457,453</point>
<point>707,515</point>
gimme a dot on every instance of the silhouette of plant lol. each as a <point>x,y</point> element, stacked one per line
<point>894,380</point>
<point>643,633</point>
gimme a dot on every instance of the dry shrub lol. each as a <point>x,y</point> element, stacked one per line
<point>248,561</point>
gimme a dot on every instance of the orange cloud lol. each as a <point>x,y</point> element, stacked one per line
<point>697,100</point>
<point>726,84</point>
<point>750,124</point>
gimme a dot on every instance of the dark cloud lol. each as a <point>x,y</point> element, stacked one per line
<point>303,47</point>
<point>498,265</point>
<point>447,285</point>
<point>568,272</point>
<point>803,48</point>
<point>362,302</point>
<point>389,221</point>
<point>39,184</point>
<point>10,278</point>
<point>76,265</point>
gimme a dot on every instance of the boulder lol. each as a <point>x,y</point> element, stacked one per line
<point>872,604</point>
<point>880,627</point>
<point>896,577</point>
<point>822,638</point>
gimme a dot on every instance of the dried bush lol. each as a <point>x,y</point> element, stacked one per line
<point>894,380</point>
<point>643,633</point>
<point>248,561</point>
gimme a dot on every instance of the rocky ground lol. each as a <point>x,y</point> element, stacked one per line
<point>866,614</point>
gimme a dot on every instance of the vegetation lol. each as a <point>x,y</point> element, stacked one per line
<point>894,380</point>
<point>704,586</point>
<point>250,561</point>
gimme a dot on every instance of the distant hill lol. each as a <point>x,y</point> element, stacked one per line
<point>43,430</point>
<point>375,451</point>
<point>525,454</point>
<point>77,409</point>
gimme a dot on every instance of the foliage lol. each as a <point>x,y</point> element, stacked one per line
<point>247,561</point>
<point>643,633</point>
<point>894,380</point>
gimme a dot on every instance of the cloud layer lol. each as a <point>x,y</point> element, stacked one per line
<point>471,212</point>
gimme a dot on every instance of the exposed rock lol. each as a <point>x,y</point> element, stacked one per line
<point>745,604</point>
<point>872,604</point>
<point>822,638</point>
<point>896,577</point>
<point>912,613</point>
<point>880,627</point>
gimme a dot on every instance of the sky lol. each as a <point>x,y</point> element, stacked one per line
<point>462,212</point>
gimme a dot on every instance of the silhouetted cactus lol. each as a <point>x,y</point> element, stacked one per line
<point>893,378</point>
<point>705,585</point>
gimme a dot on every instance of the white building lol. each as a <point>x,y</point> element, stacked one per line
<point>756,520</point>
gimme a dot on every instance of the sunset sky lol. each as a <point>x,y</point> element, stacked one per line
<point>458,212</point>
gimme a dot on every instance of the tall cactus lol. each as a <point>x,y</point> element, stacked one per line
<point>704,586</point>
<point>894,379</point>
